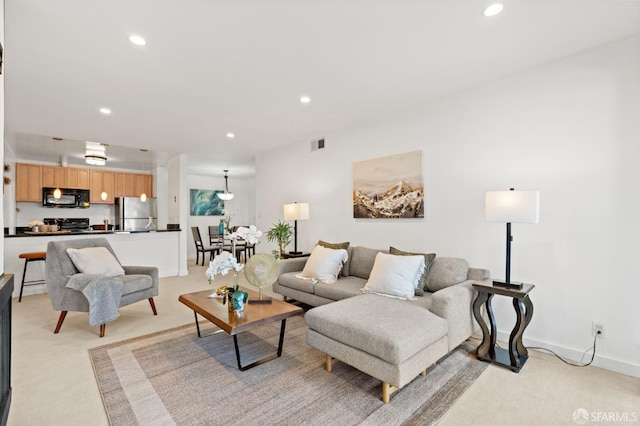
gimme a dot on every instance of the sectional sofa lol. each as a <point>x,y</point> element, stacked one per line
<point>388,338</point>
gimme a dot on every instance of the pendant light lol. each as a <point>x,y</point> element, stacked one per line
<point>226,196</point>
<point>57,193</point>
<point>143,196</point>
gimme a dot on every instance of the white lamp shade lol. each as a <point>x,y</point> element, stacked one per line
<point>512,206</point>
<point>296,211</point>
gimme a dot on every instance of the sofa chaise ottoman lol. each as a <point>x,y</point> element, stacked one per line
<point>395,345</point>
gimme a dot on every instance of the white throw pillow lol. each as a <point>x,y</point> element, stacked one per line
<point>393,275</point>
<point>324,264</point>
<point>95,260</point>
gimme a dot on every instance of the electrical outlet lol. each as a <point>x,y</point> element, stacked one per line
<point>598,329</point>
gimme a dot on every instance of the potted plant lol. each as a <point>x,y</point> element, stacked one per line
<point>280,233</point>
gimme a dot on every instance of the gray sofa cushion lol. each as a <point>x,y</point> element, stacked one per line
<point>348,287</point>
<point>445,272</point>
<point>289,279</point>
<point>362,260</point>
<point>403,328</point>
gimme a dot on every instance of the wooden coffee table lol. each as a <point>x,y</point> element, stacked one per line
<point>254,315</point>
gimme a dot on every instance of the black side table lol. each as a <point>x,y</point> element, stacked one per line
<point>515,357</point>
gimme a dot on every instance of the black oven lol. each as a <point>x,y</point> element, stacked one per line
<point>70,198</point>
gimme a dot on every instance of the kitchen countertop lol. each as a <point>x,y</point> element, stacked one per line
<point>59,233</point>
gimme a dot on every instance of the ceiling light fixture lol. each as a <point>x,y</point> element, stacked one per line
<point>105,111</point>
<point>95,154</point>
<point>226,195</point>
<point>231,135</point>
<point>493,9</point>
<point>95,160</point>
<point>137,40</point>
<point>305,99</point>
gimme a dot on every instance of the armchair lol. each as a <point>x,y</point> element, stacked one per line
<point>138,282</point>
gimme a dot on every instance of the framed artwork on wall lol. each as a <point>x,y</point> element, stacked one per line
<point>389,187</point>
<point>205,202</point>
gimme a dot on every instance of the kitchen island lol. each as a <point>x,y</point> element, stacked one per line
<point>159,248</point>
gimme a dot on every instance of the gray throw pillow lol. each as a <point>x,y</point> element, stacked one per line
<point>445,272</point>
<point>428,261</point>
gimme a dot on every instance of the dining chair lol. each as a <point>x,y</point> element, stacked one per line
<point>200,247</point>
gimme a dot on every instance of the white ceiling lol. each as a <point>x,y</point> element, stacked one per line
<point>213,66</point>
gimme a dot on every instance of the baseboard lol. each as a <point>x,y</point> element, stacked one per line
<point>574,355</point>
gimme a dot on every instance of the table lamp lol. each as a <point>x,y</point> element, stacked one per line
<point>511,206</point>
<point>296,211</point>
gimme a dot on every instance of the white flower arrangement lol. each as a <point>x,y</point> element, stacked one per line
<point>222,264</point>
<point>228,216</point>
<point>251,234</point>
<point>35,223</point>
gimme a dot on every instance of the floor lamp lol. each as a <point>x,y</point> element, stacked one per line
<point>296,211</point>
<point>511,206</point>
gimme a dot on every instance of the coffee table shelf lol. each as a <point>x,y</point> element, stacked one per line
<point>232,323</point>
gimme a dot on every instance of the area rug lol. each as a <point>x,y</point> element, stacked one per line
<point>173,377</point>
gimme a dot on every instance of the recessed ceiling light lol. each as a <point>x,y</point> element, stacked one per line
<point>493,9</point>
<point>137,40</point>
<point>105,111</point>
<point>305,99</point>
<point>231,135</point>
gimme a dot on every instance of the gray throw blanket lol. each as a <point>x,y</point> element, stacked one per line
<point>103,294</point>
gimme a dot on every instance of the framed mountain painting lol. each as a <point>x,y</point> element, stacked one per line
<point>389,187</point>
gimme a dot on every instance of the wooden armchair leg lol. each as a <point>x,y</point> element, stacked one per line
<point>63,314</point>
<point>102,328</point>
<point>153,306</point>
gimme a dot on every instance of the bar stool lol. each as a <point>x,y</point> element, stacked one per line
<point>30,257</point>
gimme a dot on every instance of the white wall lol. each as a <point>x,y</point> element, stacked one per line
<point>569,128</point>
<point>242,204</point>
<point>2,212</point>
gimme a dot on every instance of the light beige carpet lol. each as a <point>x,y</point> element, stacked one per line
<point>172,377</point>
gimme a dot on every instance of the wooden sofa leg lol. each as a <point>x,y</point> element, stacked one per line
<point>387,390</point>
<point>63,314</point>
<point>327,365</point>
<point>423,373</point>
<point>153,306</point>
<point>102,327</point>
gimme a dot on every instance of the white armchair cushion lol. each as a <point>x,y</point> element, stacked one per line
<point>395,276</point>
<point>95,260</point>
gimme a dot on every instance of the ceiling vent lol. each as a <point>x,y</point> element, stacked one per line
<point>317,144</point>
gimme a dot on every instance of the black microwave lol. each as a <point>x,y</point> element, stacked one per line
<point>70,198</point>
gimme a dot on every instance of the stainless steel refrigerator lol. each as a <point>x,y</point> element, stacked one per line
<point>132,214</point>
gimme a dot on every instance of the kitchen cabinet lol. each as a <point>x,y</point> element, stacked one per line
<point>78,178</point>
<point>133,184</point>
<point>28,182</point>
<point>124,184</point>
<point>31,178</point>
<point>102,181</point>
<point>54,177</point>
<point>143,183</point>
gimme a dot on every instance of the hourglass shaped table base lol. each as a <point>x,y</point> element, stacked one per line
<point>516,355</point>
